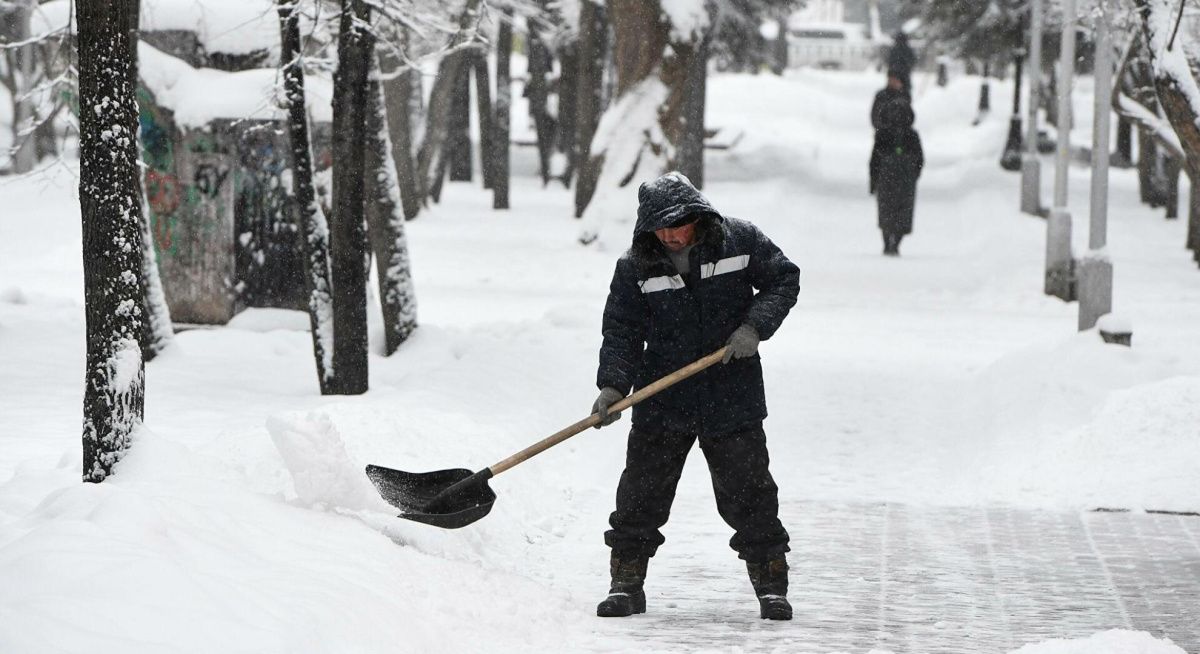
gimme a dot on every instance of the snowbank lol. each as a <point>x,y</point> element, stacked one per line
<point>226,26</point>
<point>198,96</point>
<point>1116,641</point>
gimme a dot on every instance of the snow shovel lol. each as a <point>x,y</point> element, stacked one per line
<point>457,497</point>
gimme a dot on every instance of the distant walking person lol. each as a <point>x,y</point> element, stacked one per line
<point>896,163</point>
<point>901,60</point>
<point>895,91</point>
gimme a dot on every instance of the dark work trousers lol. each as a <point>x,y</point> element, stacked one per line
<point>747,497</point>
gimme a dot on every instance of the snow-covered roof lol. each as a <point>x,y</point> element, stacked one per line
<point>197,96</point>
<point>226,26</point>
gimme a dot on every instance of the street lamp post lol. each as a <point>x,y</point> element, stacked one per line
<point>1011,158</point>
<point>1031,194</point>
<point>1096,270</point>
<point>1060,264</point>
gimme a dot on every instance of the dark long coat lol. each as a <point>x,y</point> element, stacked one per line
<point>896,163</point>
<point>657,321</point>
<point>883,98</point>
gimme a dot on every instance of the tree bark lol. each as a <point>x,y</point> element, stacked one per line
<point>458,140</point>
<point>690,151</point>
<point>399,92</point>
<point>314,230</point>
<point>537,92</point>
<point>592,54</point>
<point>1124,156</point>
<point>386,221</point>
<point>24,155</point>
<point>484,110</point>
<point>499,155</point>
<point>1175,100</point>
<point>431,156</point>
<point>111,205</point>
<point>568,100</point>
<point>348,236</point>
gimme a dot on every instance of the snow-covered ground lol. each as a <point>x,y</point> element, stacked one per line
<point>240,521</point>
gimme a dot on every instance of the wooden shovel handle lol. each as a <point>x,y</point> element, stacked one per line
<point>622,404</point>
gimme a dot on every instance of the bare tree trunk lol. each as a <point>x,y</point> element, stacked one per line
<point>432,153</point>
<point>536,91</point>
<point>458,140</point>
<point>499,155</point>
<point>1173,167</point>
<point>24,155</point>
<point>386,226</point>
<point>483,107</point>
<point>568,100</point>
<point>313,228</point>
<point>348,234</point>
<point>400,91</point>
<point>690,153</point>
<point>1124,155</point>
<point>592,54</point>
<point>1147,163</point>
<point>111,205</point>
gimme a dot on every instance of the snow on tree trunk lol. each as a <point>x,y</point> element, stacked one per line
<point>628,142</point>
<point>592,53</point>
<point>313,228</point>
<point>111,204</point>
<point>386,225</point>
<point>499,155</point>
<point>1178,93</point>
<point>640,134</point>
<point>348,242</point>
<point>157,331</point>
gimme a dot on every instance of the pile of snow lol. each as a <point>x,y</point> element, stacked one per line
<point>1115,641</point>
<point>198,96</point>
<point>226,26</point>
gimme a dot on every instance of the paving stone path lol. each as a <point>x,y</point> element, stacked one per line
<point>928,580</point>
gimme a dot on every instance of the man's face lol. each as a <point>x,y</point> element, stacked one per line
<point>676,238</point>
<point>895,83</point>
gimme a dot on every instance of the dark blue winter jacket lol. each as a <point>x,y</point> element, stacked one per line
<point>657,321</point>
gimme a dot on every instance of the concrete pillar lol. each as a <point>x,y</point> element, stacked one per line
<point>1031,184</point>
<point>1060,264</point>
<point>1096,271</point>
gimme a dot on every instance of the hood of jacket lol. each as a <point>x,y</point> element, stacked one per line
<point>664,202</point>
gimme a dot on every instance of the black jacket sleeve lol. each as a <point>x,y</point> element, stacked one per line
<point>777,280</point>
<point>626,324</point>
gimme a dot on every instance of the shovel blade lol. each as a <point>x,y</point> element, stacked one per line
<point>413,493</point>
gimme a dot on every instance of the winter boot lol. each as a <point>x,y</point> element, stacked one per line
<point>770,580</point>
<point>625,596</point>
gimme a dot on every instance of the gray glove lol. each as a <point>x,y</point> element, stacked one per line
<point>608,397</point>
<point>742,343</point>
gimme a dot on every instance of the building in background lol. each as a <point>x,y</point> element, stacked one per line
<point>820,36</point>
